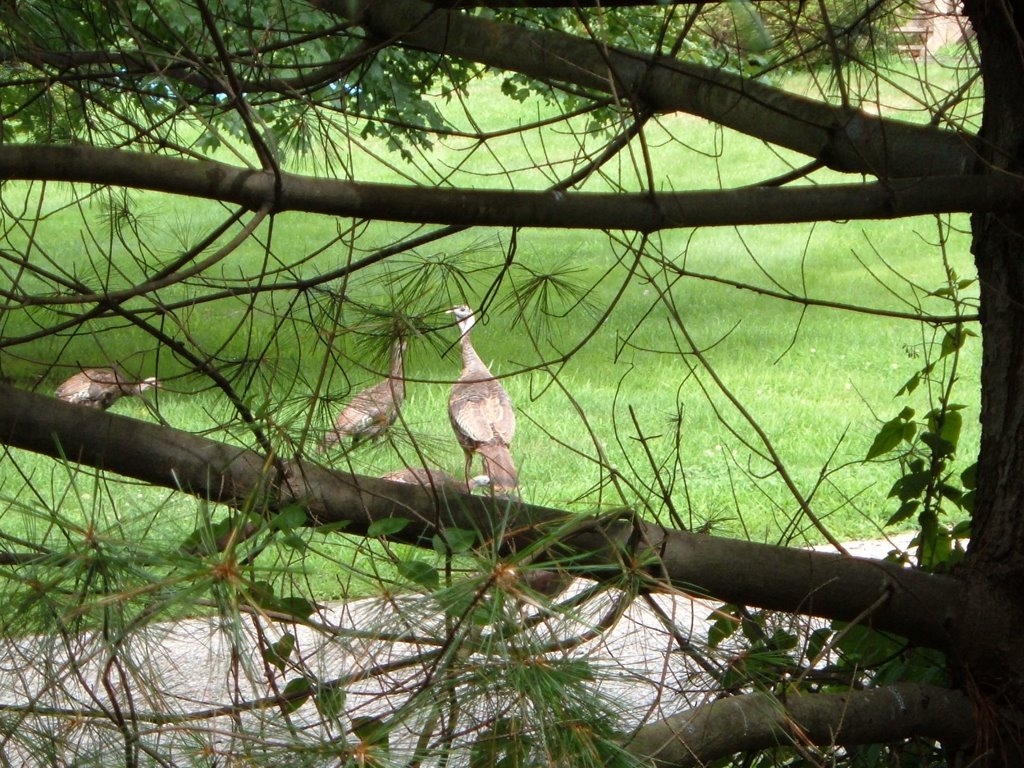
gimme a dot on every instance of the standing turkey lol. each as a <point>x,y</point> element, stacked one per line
<point>481,413</point>
<point>101,387</point>
<point>374,409</point>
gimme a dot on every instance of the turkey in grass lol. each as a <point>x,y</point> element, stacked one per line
<point>101,387</point>
<point>481,413</point>
<point>375,408</point>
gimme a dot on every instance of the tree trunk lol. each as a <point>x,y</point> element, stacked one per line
<point>991,623</point>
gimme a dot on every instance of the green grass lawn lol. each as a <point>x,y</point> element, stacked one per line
<point>629,418</point>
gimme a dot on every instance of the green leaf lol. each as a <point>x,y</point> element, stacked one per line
<point>484,613</point>
<point>299,607</point>
<point>911,486</point>
<point>954,340</point>
<point>262,593</point>
<point>719,631</point>
<point>277,654</point>
<point>914,381</point>
<point>751,32</point>
<point>937,550</point>
<point>724,625</point>
<point>861,646</point>
<point>291,517</point>
<point>458,540</point>
<point>420,572</point>
<point>330,701</point>
<point>892,433</point>
<point>951,426</point>
<point>370,729</point>
<point>297,692</point>
<point>910,386</point>
<point>753,626</point>
<point>907,510</point>
<point>940,448</point>
<point>817,641</point>
<point>967,501</point>
<point>387,526</point>
<point>505,745</point>
<point>781,640</point>
<point>335,527</point>
<point>951,492</point>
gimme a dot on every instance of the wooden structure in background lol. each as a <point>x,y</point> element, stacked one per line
<point>934,24</point>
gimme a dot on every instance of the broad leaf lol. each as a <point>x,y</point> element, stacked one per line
<point>297,692</point>
<point>420,572</point>
<point>892,433</point>
<point>387,526</point>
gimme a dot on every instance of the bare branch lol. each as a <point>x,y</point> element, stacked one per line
<point>758,721</point>
<point>550,209</point>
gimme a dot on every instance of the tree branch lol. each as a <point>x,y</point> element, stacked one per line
<point>843,138</point>
<point>759,721</point>
<point>916,605</point>
<point>256,189</point>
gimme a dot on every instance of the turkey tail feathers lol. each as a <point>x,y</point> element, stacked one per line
<point>498,465</point>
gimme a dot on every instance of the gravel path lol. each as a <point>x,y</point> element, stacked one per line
<point>69,692</point>
<point>873,548</point>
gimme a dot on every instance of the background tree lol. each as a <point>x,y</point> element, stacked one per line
<point>345,192</point>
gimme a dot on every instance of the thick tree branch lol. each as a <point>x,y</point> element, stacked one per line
<point>527,4</point>
<point>760,721</point>
<point>910,603</point>
<point>844,139</point>
<point>550,209</point>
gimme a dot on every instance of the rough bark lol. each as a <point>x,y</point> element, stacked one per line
<point>843,138</point>
<point>992,616</point>
<point>907,602</point>
<point>760,721</point>
<point>257,189</point>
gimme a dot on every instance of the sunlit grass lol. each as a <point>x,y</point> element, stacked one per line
<point>630,419</point>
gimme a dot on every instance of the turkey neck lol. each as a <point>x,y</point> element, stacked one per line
<point>470,359</point>
<point>397,375</point>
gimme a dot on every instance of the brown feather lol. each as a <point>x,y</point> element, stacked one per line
<point>498,465</point>
<point>481,412</point>
<point>372,411</point>
<point>101,387</point>
<point>433,479</point>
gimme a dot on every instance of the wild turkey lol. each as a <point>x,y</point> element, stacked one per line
<point>374,409</point>
<point>481,413</point>
<point>101,387</point>
<point>435,479</point>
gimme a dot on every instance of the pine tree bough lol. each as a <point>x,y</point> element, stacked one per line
<point>918,604</point>
<point>913,604</point>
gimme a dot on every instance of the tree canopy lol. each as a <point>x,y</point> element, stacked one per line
<point>251,201</point>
